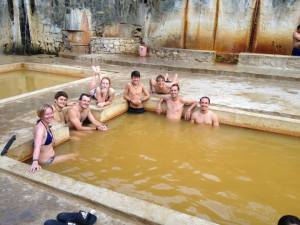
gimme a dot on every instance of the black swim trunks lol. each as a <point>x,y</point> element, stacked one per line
<point>135,110</point>
<point>296,52</point>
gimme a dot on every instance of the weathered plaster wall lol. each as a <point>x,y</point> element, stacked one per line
<point>278,19</point>
<point>10,35</point>
<point>263,26</point>
<point>200,24</point>
<point>5,24</point>
<point>164,24</point>
<point>234,25</point>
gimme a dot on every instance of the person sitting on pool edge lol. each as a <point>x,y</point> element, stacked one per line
<point>175,104</point>
<point>162,84</point>
<point>43,152</point>
<point>204,115</point>
<point>60,106</point>
<point>80,112</point>
<point>136,94</point>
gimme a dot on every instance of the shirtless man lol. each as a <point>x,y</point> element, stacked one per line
<point>135,93</point>
<point>204,115</point>
<point>59,106</point>
<point>296,42</point>
<point>175,104</point>
<point>161,84</point>
<point>78,113</point>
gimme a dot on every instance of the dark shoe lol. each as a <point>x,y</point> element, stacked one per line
<point>54,222</point>
<point>80,218</point>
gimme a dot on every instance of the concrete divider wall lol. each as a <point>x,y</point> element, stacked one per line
<point>23,151</point>
<point>269,61</point>
<point>246,119</point>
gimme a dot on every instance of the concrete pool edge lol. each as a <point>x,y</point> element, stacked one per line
<point>248,119</point>
<point>129,206</point>
<point>244,71</point>
<point>81,73</point>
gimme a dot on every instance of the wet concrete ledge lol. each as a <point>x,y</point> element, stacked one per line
<point>132,207</point>
<point>256,71</point>
<point>282,62</point>
<point>47,68</point>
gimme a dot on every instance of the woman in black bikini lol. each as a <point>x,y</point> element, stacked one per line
<point>43,153</point>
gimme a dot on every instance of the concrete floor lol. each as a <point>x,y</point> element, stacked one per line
<point>23,202</point>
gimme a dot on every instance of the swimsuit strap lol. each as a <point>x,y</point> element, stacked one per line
<point>47,129</point>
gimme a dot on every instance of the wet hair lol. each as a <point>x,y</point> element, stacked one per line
<point>175,85</point>
<point>84,94</point>
<point>204,98</point>
<point>106,78</point>
<point>289,220</point>
<point>160,77</point>
<point>61,93</point>
<point>135,74</point>
<point>41,111</point>
<point>298,27</point>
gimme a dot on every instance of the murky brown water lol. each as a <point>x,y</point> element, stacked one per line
<point>22,81</point>
<point>227,175</point>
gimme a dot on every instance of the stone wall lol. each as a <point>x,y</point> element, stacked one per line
<point>100,45</point>
<point>185,55</point>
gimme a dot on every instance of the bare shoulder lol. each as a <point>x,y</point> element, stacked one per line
<point>195,113</point>
<point>212,113</point>
<point>73,108</point>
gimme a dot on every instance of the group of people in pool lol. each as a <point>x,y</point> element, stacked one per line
<point>75,114</point>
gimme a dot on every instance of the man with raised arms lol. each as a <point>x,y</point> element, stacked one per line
<point>162,84</point>
<point>136,94</point>
<point>175,104</point>
<point>78,113</point>
<point>204,115</point>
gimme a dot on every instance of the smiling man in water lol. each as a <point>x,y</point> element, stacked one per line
<point>78,113</point>
<point>204,115</point>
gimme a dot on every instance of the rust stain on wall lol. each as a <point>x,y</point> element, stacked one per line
<point>185,23</point>
<point>86,37</point>
<point>253,33</point>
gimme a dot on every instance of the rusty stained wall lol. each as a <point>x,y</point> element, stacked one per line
<point>234,25</point>
<point>200,24</point>
<point>260,26</point>
<point>277,21</point>
<point>10,35</point>
<point>222,25</point>
<point>165,24</point>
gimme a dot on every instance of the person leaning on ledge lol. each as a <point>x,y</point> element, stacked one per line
<point>81,112</point>
<point>296,42</point>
